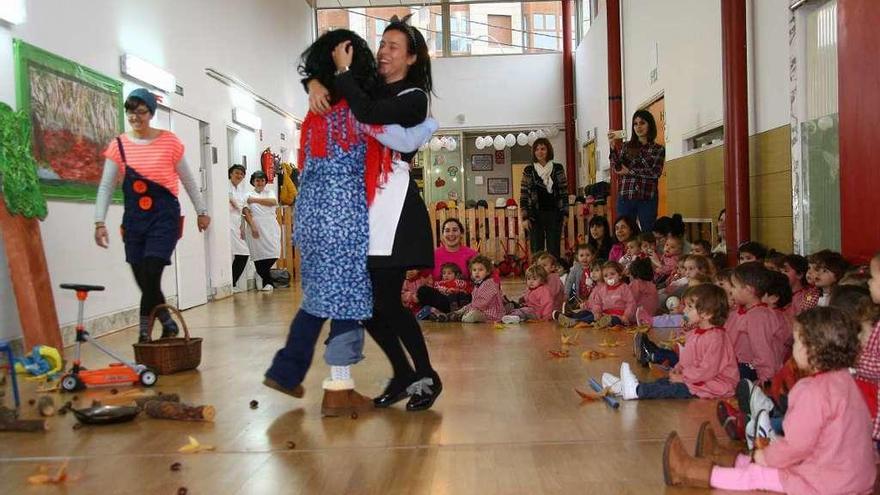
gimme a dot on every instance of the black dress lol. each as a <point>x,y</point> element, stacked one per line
<point>413,244</point>
<point>393,326</point>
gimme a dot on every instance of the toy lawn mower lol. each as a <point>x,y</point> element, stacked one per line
<point>122,372</point>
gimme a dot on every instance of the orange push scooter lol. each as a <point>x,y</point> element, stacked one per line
<point>123,372</point>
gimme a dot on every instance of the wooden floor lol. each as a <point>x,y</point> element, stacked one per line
<point>508,421</point>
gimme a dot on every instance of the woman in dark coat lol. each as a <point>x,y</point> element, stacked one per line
<point>544,199</point>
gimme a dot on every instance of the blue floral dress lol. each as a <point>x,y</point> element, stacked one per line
<point>331,227</point>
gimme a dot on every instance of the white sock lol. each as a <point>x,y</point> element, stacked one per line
<point>340,372</point>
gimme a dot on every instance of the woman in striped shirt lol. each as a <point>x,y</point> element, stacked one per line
<point>153,166</point>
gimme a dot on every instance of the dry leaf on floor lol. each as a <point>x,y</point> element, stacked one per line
<point>43,478</point>
<point>49,387</point>
<point>590,355</point>
<point>606,342</point>
<point>638,329</point>
<point>558,354</point>
<point>588,396</point>
<point>498,326</point>
<point>194,447</point>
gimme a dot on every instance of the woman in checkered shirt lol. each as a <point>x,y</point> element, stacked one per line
<point>639,164</point>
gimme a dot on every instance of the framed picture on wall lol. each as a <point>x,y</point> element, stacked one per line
<point>498,185</point>
<point>481,163</point>
<point>499,157</point>
<point>75,113</point>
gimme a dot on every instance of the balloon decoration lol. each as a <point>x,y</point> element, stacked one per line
<point>541,134</point>
<point>478,143</point>
<point>522,139</point>
<point>499,143</point>
<point>533,136</point>
<point>435,144</point>
<point>451,145</point>
<point>509,140</point>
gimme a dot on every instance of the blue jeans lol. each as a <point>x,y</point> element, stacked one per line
<point>587,317</point>
<point>643,210</point>
<point>663,389</point>
<point>661,355</point>
<point>345,346</point>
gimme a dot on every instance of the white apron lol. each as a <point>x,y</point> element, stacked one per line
<point>268,245</point>
<point>237,195</point>
<point>387,204</point>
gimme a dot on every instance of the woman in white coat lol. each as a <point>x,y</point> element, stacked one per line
<point>264,234</point>
<point>237,203</point>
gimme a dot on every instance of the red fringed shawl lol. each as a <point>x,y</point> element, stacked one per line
<point>341,126</point>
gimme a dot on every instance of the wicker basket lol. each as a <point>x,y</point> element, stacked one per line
<point>167,356</point>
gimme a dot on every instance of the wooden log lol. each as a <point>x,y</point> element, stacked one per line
<point>46,406</point>
<point>177,411</point>
<point>126,398</point>
<point>9,422</point>
<point>142,401</point>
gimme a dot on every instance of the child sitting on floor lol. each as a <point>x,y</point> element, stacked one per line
<point>701,248</point>
<point>537,303</point>
<point>827,268</point>
<point>486,303</point>
<point>666,266</point>
<point>827,445</point>
<point>641,283</point>
<point>612,298</point>
<point>868,363</point>
<point>585,255</point>
<point>589,281</point>
<point>633,252</point>
<point>451,287</point>
<point>414,279</point>
<point>752,327</point>
<point>706,367</point>
<point>777,296</point>
<point>803,296</point>
<point>752,251</point>
<point>554,282</point>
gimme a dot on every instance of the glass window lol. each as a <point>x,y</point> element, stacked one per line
<point>549,22</point>
<point>539,22</point>
<point>820,146</point>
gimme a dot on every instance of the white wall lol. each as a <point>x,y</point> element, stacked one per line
<point>259,42</point>
<point>686,35</point>
<point>498,91</point>
<point>591,76</point>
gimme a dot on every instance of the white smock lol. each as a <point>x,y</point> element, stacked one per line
<point>237,196</point>
<point>268,245</point>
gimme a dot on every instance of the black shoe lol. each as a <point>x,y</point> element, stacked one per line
<point>424,393</point>
<point>394,393</point>
<point>170,331</point>
<point>743,396</point>
<point>642,354</point>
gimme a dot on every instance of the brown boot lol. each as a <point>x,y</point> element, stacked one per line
<point>340,399</point>
<point>680,469</point>
<point>297,391</point>
<point>708,447</point>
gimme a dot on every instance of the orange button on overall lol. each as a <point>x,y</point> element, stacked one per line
<point>145,203</point>
<point>139,186</point>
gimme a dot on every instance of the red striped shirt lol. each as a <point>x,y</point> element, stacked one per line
<point>155,161</point>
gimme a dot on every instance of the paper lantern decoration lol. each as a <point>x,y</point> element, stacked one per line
<point>522,139</point>
<point>552,131</point>
<point>488,140</point>
<point>532,137</point>
<point>451,145</point>
<point>499,143</point>
<point>479,143</point>
<point>541,133</point>
<point>509,140</point>
<point>436,144</point>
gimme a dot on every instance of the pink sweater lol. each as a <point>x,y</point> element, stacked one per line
<point>752,332</point>
<point>460,258</point>
<point>557,291</point>
<point>617,301</point>
<point>540,302</point>
<point>708,364</point>
<point>827,447</point>
<point>645,294</point>
<point>409,289</point>
<point>486,298</point>
<point>617,250</point>
<point>783,339</point>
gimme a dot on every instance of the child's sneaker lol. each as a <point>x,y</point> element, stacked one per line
<point>424,313</point>
<point>441,317</point>
<point>629,383</point>
<point>510,319</point>
<point>612,383</point>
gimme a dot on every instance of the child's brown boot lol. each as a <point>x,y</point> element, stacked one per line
<point>680,469</point>
<point>708,447</point>
<point>340,399</point>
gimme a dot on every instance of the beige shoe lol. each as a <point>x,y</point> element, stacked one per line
<point>340,399</point>
<point>680,469</point>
